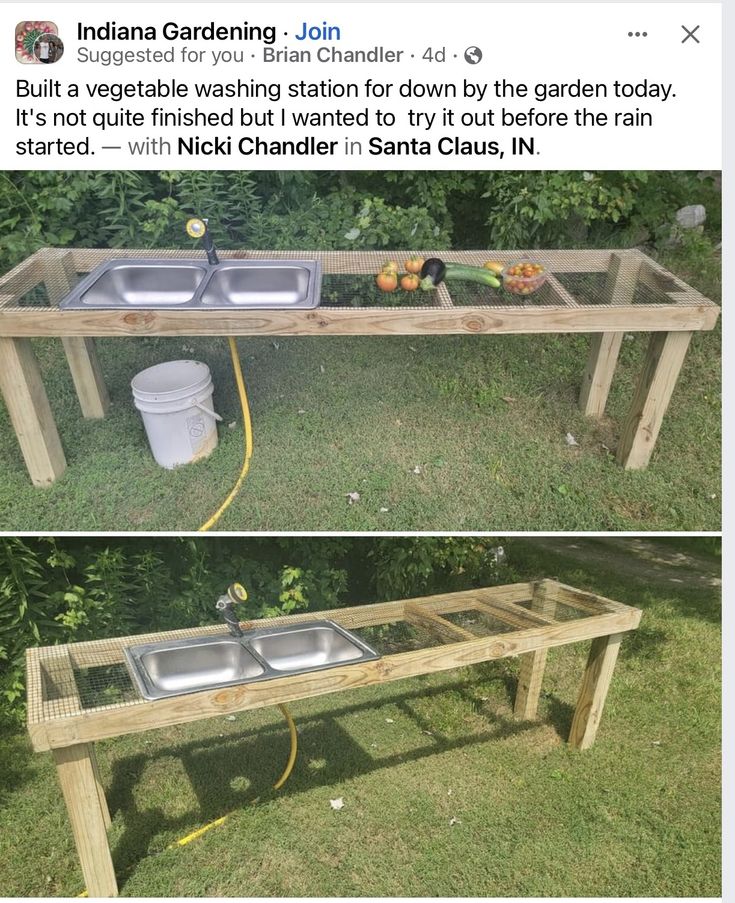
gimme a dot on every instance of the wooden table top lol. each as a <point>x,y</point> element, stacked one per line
<point>586,291</point>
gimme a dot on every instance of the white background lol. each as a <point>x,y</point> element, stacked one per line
<point>529,42</point>
<point>587,40</point>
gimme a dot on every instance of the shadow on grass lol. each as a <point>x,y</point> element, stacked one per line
<point>217,768</point>
<point>560,714</point>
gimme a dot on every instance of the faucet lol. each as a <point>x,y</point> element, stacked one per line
<point>226,606</point>
<point>198,228</point>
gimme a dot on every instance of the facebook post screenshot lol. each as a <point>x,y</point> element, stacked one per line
<point>369,349</point>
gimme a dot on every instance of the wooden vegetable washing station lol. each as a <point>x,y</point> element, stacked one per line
<point>82,692</point>
<point>605,293</point>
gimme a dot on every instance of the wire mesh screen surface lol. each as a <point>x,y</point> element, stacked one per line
<point>35,297</point>
<point>580,278</point>
<point>390,639</point>
<point>591,288</point>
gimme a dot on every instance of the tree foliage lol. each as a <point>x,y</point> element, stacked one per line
<point>345,210</point>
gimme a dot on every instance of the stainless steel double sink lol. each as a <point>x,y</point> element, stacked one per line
<point>205,663</point>
<point>151,283</point>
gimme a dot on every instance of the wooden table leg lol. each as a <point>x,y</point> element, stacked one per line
<point>86,372</point>
<point>77,775</point>
<point>100,789</point>
<point>664,359</point>
<point>593,692</point>
<point>30,412</point>
<point>533,664</point>
<point>598,374</point>
<point>60,277</point>
<point>620,286</point>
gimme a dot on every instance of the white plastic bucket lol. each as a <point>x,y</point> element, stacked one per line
<point>175,401</point>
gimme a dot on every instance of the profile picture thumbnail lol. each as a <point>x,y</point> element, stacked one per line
<point>27,35</point>
<point>49,48</point>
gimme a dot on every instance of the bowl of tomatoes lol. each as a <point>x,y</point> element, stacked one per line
<point>524,277</point>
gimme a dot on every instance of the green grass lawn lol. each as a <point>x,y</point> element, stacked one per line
<point>444,794</point>
<point>483,418</point>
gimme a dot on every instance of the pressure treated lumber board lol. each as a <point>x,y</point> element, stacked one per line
<point>533,664</point>
<point>591,602</point>
<point>77,776</point>
<point>622,277</point>
<point>593,692</point>
<point>598,374</point>
<point>359,321</point>
<point>60,277</point>
<point>663,363</point>
<point>30,413</point>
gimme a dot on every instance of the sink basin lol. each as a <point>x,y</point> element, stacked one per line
<point>173,668</point>
<point>254,284</point>
<point>152,283</point>
<point>170,669</point>
<point>145,284</point>
<point>307,648</point>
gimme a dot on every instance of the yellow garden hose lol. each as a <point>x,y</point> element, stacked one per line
<point>294,748</point>
<point>248,428</point>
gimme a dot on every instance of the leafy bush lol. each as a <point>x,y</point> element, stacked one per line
<point>542,209</point>
<point>143,209</point>
<point>425,565</point>
<point>346,210</point>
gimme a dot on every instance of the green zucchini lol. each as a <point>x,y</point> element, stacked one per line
<point>460,271</point>
<point>435,271</point>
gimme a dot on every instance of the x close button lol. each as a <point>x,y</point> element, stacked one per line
<point>690,34</point>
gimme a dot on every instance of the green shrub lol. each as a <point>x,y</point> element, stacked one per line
<point>425,565</point>
<point>346,210</point>
<point>566,209</point>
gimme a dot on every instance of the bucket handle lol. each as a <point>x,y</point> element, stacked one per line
<point>207,411</point>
